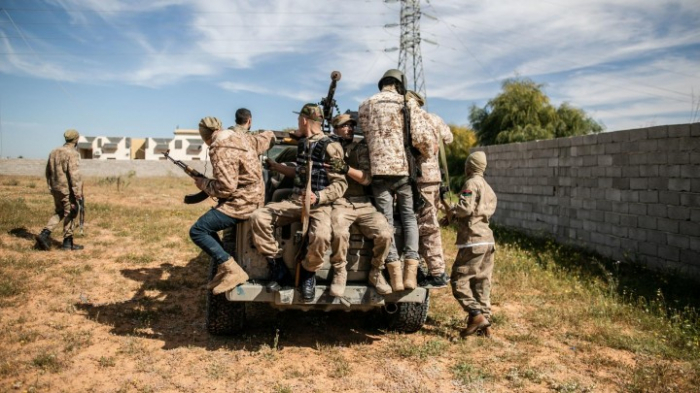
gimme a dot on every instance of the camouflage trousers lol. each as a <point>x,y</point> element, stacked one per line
<point>369,221</point>
<point>264,220</point>
<point>66,209</point>
<point>430,239</point>
<point>471,278</point>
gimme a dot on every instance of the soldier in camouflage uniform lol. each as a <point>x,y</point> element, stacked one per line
<point>471,272</point>
<point>430,240</point>
<point>66,185</point>
<point>244,120</point>
<point>238,185</point>
<point>382,121</point>
<point>326,187</point>
<point>355,207</point>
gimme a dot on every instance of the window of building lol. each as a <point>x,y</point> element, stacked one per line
<point>178,145</point>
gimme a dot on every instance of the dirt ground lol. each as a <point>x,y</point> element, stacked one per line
<point>127,314</point>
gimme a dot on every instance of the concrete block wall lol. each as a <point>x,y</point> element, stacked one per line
<point>631,194</point>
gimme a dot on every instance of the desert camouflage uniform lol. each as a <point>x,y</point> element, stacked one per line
<point>238,181</point>
<point>430,240</point>
<point>356,207</point>
<point>471,272</point>
<point>282,213</point>
<point>65,182</point>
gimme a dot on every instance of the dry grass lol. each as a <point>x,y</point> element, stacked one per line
<point>127,315</point>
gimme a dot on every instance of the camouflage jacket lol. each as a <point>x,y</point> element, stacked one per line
<point>357,156</point>
<point>337,183</point>
<point>430,164</point>
<point>477,203</point>
<point>381,120</point>
<point>238,181</point>
<point>62,174</point>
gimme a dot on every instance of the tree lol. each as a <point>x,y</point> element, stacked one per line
<point>522,112</point>
<point>457,153</point>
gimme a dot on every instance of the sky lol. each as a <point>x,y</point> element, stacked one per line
<point>145,68</point>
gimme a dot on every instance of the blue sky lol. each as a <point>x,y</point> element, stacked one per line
<point>142,68</point>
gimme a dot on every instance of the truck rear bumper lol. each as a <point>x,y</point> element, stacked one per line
<point>356,297</point>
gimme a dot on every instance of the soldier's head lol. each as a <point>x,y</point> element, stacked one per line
<point>71,136</point>
<point>413,95</point>
<point>244,118</point>
<point>476,163</point>
<point>310,119</point>
<point>344,126</point>
<point>395,78</point>
<point>207,127</point>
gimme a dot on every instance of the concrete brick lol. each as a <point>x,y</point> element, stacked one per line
<point>678,213</point>
<point>679,241</point>
<point>597,149</point>
<point>612,148</point>
<point>621,207</point>
<point>630,196</point>
<point>604,228</point>
<point>657,132</point>
<point>563,142</point>
<point>649,170</point>
<point>695,185</point>
<point>670,197</point>
<point>678,158</point>
<point>598,171</point>
<point>612,218</point>
<point>603,205</point>
<point>689,199</point>
<point>605,182</point>
<point>657,210</point>
<point>667,225</point>
<point>619,231</point>
<point>689,228</point>
<point>649,196</point>
<point>628,220</point>
<point>613,195</point>
<point>639,209</point>
<point>638,134</point>
<point>637,159</point>
<point>639,183</point>
<point>646,222</point>
<point>632,171</point>
<point>695,215</point>
<point>656,237</point>
<point>637,234</point>
<point>678,130</point>
<point>658,158</point>
<point>605,160</point>
<point>678,184</point>
<point>694,244</point>
<point>621,183</point>
<point>690,258</point>
<point>590,160</point>
<point>695,129</point>
<point>658,183</point>
<point>613,171</point>
<point>690,171</point>
<point>670,170</point>
<point>621,136</point>
<point>649,145</point>
<point>596,216</point>
<point>669,253</point>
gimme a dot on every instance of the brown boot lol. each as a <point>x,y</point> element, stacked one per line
<point>232,277</point>
<point>474,323</point>
<point>485,332</point>
<point>410,270</point>
<point>395,275</point>
<point>376,278</point>
<point>340,276</point>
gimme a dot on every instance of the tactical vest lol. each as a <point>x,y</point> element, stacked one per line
<point>319,175</point>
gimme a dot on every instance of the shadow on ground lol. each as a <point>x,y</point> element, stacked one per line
<point>24,233</point>
<point>170,306</point>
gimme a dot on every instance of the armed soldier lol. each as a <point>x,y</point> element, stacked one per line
<point>430,239</point>
<point>471,272</point>
<point>381,118</point>
<point>326,187</point>
<point>66,185</point>
<point>244,120</point>
<point>356,207</point>
<point>238,185</point>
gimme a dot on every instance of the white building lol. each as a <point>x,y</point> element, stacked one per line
<point>186,145</point>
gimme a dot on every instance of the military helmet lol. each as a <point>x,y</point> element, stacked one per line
<point>392,73</point>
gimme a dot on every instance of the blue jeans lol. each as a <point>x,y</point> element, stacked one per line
<point>204,234</point>
<point>384,189</point>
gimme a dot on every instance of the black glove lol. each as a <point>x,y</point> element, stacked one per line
<point>339,166</point>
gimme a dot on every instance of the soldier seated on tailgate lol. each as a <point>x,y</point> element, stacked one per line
<point>355,207</point>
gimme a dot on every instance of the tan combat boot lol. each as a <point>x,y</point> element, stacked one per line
<point>475,322</point>
<point>376,278</point>
<point>395,275</point>
<point>340,276</point>
<point>410,271</point>
<point>233,275</point>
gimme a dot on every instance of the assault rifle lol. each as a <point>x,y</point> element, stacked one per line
<point>193,173</point>
<point>414,171</point>
<point>328,103</point>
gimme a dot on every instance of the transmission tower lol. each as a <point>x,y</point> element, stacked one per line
<point>410,58</point>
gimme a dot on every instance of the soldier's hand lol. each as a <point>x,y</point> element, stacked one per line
<point>201,182</point>
<point>338,165</point>
<point>78,197</point>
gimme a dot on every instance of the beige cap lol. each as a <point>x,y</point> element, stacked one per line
<point>71,135</point>
<point>342,119</point>
<point>207,126</point>
<point>476,162</point>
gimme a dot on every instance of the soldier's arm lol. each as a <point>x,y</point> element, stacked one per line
<point>422,137</point>
<point>74,174</point>
<point>467,200</point>
<point>443,129</point>
<point>225,163</point>
<point>363,173</point>
<point>338,183</point>
<point>263,141</point>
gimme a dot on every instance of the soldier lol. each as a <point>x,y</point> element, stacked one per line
<point>244,120</point>
<point>430,239</point>
<point>66,185</point>
<point>471,272</point>
<point>326,187</point>
<point>238,185</point>
<point>356,207</point>
<point>382,121</point>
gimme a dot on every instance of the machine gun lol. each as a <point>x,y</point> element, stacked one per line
<point>414,171</point>
<point>328,103</point>
<point>193,173</point>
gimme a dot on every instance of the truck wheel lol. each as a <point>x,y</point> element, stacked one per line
<point>406,317</point>
<point>223,317</point>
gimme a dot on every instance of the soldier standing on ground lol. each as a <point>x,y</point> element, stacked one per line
<point>356,208</point>
<point>326,187</point>
<point>473,267</point>
<point>430,239</point>
<point>238,185</point>
<point>66,185</point>
<point>382,122</point>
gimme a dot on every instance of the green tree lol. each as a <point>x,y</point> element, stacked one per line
<point>457,153</point>
<point>522,112</point>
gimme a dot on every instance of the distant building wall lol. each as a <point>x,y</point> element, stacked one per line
<point>631,194</point>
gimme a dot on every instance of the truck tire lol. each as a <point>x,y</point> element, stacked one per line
<point>223,317</point>
<point>406,317</point>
